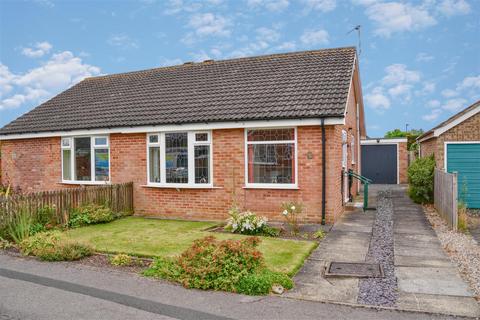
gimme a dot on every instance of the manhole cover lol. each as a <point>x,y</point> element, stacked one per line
<point>354,269</point>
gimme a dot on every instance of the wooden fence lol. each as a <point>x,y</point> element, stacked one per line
<point>446,197</point>
<point>118,197</point>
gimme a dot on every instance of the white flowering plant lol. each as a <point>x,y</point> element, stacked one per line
<point>291,212</point>
<point>245,222</point>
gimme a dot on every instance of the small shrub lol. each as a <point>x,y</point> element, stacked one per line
<point>420,179</point>
<point>54,246</point>
<point>211,264</point>
<point>46,215</point>
<point>291,212</point>
<point>261,283</point>
<point>121,260</point>
<point>319,234</point>
<point>270,231</point>
<point>462,222</point>
<point>245,222</point>
<point>20,225</point>
<point>90,214</point>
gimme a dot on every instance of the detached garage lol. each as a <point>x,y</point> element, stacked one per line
<point>455,144</point>
<point>385,161</point>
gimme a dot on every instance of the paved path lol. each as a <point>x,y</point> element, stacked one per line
<point>31,289</point>
<point>426,278</point>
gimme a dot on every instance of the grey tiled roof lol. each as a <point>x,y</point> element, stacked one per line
<point>308,84</point>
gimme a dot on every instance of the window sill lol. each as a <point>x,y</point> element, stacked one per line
<point>92,183</point>
<point>176,186</point>
<point>280,187</point>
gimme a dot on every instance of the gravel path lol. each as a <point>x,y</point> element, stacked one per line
<point>461,248</point>
<point>381,291</point>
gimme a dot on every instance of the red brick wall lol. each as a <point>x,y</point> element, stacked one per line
<point>31,164</point>
<point>402,162</point>
<point>35,164</point>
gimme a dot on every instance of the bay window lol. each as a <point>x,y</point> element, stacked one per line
<point>85,159</point>
<point>271,157</point>
<point>179,159</point>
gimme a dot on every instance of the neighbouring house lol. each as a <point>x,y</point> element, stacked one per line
<point>197,137</point>
<point>455,144</point>
<point>385,161</point>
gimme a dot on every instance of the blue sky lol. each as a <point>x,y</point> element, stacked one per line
<point>420,60</point>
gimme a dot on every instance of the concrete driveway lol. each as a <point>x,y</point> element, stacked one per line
<point>424,278</point>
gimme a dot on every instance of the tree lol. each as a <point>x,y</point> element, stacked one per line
<point>411,136</point>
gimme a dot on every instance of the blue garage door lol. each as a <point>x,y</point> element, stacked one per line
<point>465,159</point>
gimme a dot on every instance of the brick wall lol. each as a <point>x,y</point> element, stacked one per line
<point>35,164</point>
<point>402,162</point>
<point>469,130</point>
<point>31,164</point>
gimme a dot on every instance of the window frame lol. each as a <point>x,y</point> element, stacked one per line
<point>352,148</point>
<point>258,185</point>
<point>191,159</point>
<point>93,147</point>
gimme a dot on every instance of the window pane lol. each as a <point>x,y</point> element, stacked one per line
<point>154,162</point>
<point>101,165</point>
<point>67,164</point>
<point>153,139</point>
<point>271,135</point>
<point>83,159</point>
<point>201,136</point>
<point>176,157</point>
<point>202,164</point>
<point>271,163</point>
<point>102,141</point>
<point>66,142</point>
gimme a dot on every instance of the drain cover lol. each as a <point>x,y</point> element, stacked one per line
<point>353,269</point>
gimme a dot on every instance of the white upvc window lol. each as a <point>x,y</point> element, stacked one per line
<point>352,145</point>
<point>180,159</point>
<point>271,158</point>
<point>85,159</point>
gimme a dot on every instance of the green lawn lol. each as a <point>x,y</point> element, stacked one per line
<point>167,238</point>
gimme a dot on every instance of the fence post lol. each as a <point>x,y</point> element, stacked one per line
<point>455,201</point>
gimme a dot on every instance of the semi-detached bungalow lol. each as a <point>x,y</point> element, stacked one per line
<point>196,137</point>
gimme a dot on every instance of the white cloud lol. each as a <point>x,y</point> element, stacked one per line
<point>470,83</point>
<point>177,6</point>
<point>320,5</point>
<point>433,115</point>
<point>315,37</point>
<point>398,74</point>
<point>454,105</point>
<point>377,100</point>
<point>393,17</point>
<point>401,90</point>
<point>61,71</point>
<point>209,24</point>
<point>428,88</point>
<point>449,93</point>
<point>270,5</point>
<point>39,50</point>
<point>165,62</point>
<point>424,57</point>
<point>266,34</point>
<point>122,41</point>
<point>433,103</point>
<point>287,46</point>
<point>453,7</point>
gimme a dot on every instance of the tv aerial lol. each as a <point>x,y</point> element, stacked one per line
<point>358,29</point>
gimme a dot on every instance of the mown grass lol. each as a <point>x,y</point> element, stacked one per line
<point>167,238</point>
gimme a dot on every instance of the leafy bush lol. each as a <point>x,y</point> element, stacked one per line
<point>291,212</point>
<point>319,234</point>
<point>420,179</point>
<point>245,222</point>
<point>90,214</point>
<point>261,283</point>
<point>121,260</point>
<point>54,246</point>
<point>211,264</point>
<point>46,216</point>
